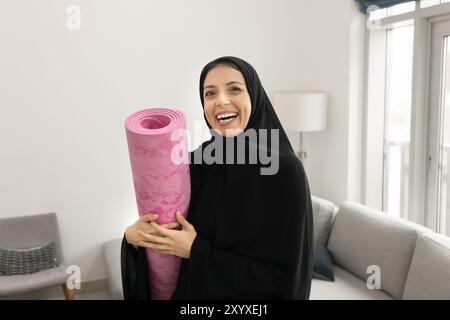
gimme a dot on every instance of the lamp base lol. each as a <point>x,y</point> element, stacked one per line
<point>302,155</point>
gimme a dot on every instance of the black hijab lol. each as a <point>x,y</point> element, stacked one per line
<point>254,231</point>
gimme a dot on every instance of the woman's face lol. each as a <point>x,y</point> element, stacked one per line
<point>227,103</point>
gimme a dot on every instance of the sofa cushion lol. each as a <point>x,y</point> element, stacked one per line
<point>364,237</point>
<point>429,273</point>
<point>345,287</point>
<point>323,214</point>
<point>15,285</point>
<point>28,260</point>
<point>323,264</point>
<point>33,230</point>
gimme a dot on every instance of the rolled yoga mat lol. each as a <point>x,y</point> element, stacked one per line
<point>157,146</point>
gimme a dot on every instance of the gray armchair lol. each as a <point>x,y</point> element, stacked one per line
<point>28,232</point>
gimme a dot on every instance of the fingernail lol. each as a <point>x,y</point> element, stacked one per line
<point>155,215</point>
<point>178,212</point>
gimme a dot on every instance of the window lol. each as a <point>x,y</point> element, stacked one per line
<point>429,3</point>
<point>397,119</point>
<point>408,112</point>
<point>444,151</point>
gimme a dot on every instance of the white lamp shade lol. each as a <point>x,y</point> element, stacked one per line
<point>301,110</point>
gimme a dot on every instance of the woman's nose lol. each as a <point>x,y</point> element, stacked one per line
<point>222,99</point>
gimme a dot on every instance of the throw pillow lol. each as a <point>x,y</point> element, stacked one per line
<point>26,261</point>
<point>323,264</point>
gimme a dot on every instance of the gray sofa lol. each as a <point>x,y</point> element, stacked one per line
<point>29,232</point>
<point>414,262</point>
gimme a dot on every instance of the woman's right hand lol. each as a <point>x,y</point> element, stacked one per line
<point>134,233</point>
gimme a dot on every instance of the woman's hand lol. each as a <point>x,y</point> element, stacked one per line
<point>142,225</point>
<point>174,242</point>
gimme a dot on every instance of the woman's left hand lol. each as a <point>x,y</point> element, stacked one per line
<point>175,242</point>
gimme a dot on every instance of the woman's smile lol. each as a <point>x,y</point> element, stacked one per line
<point>226,118</point>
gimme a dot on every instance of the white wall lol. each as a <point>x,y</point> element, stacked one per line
<point>356,103</point>
<point>65,94</point>
<point>334,155</point>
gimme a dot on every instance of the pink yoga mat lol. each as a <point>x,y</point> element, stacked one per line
<point>157,146</point>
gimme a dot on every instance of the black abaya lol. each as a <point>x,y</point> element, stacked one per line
<point>254,232</point>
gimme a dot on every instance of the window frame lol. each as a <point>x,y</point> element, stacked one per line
<point>375,95</point>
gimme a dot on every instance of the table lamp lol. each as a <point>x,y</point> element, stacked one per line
<point>301,111</point>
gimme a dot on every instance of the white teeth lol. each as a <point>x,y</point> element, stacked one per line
<point>227,120</point>
<point>225,115</point>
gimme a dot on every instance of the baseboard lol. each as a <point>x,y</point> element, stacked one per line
<point>93,286</point>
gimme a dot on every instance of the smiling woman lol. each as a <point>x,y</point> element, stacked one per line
<point>247,235</point>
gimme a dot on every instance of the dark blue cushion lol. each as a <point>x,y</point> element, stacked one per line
<point>323,264</point>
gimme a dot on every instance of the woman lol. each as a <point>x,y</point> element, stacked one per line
<point>249,235</point>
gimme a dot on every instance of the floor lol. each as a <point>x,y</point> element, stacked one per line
<point>96,292</point>
<point>104,295</point>
<point>38,296</point>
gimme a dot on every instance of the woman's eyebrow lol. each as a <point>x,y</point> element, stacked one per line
<point>227,84</point>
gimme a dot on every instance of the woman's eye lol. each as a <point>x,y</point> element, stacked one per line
<point>235,89</point>
<point>209,93</point>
